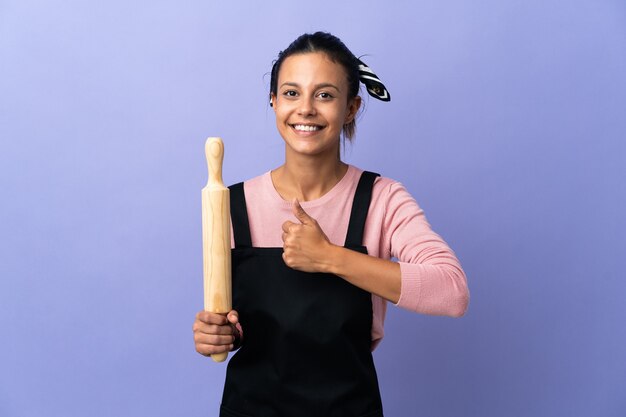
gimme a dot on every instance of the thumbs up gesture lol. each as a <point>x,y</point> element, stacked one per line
<point>305,246</point>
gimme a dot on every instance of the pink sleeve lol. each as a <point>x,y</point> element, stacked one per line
<point>433,281</point>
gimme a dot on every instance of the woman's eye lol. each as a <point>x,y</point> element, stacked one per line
<point>325,95</point>
<point>290,93</point>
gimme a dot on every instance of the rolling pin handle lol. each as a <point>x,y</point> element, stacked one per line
<point>219,357</point>
<point>214,150</point>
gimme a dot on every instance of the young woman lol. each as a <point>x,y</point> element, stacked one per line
<point>312,243</point>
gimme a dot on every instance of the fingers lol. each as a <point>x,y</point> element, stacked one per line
<point>200,327</point>
<point>213,339</point>
<point>287,260</point>
<point>214,333</point>
<point>213,323</point>
<point>287,226</point>
<point>300,214</point>
<point>211,318</point>
<point>290,229</point>
<point>207,349</point>
<point>208,344</point>
<point>233,317</point>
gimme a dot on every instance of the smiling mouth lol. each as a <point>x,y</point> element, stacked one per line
<point>306,128</point>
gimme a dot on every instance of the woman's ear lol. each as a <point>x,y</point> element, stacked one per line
<point>353,107</point>
<point>272,99</point>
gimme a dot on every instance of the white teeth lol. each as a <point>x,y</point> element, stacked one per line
<point>306,128</point>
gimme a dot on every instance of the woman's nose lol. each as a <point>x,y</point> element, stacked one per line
<point>307,107</point>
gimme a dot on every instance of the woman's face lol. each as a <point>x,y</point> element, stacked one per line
<point>311,104</point>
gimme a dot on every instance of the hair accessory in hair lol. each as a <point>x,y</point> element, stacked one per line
<point>374,86</point>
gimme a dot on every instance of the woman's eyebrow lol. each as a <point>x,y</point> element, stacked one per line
<point>327,85</point>
<point>317,86</point>
<point>289,84</point>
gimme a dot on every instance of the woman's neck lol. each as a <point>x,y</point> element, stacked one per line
<point>307,178</point>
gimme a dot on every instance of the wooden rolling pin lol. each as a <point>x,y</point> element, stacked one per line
<point>216,237</point>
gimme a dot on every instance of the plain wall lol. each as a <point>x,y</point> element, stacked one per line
<point>506,123</point>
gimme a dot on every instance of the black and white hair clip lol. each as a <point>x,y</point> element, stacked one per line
<point>374,86</point>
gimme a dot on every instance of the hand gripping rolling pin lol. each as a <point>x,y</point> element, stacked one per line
<point>216,237</point>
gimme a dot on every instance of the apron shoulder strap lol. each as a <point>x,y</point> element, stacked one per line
<point>360,207</point>
<point>356,226</point>
<point>239,216</point>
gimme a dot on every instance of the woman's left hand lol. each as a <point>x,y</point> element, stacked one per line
<point>306,247</point>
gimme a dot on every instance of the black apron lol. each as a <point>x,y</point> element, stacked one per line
<point>307,336</point>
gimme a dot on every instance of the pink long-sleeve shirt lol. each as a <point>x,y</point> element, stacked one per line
<point>433,281</point>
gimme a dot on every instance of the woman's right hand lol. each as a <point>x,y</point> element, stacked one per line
<point>216,333</point>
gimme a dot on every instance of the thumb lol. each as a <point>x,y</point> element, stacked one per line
<point>300,214</point>
<point>233,316</point>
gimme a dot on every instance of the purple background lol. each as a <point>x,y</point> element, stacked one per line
<point>507,125</point>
